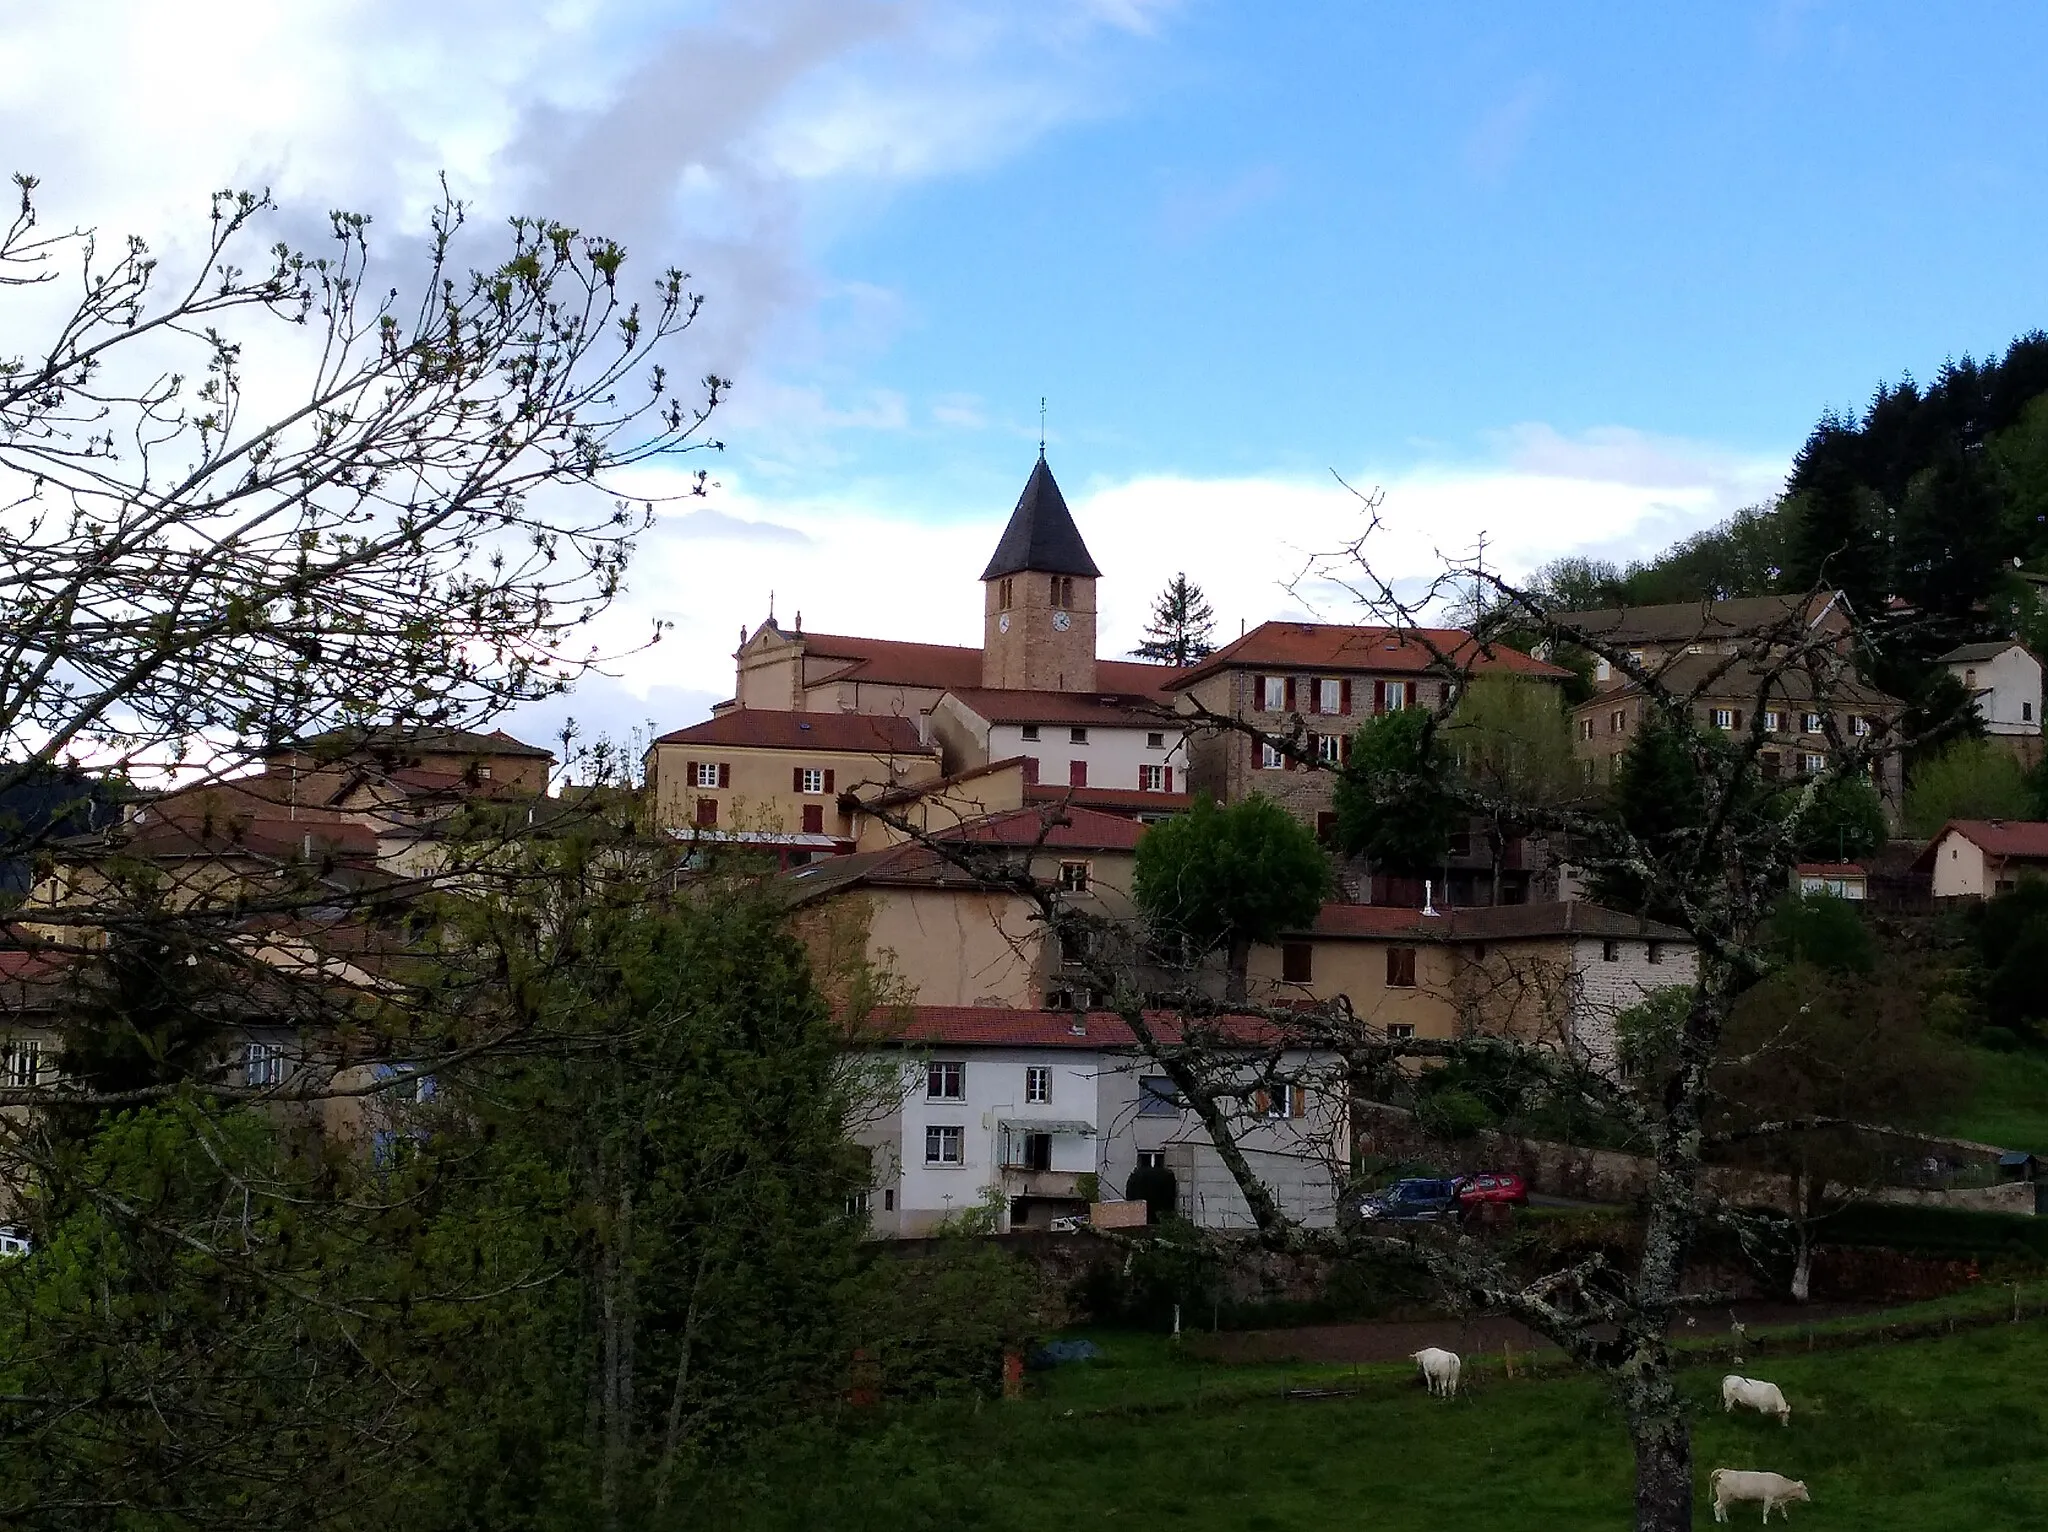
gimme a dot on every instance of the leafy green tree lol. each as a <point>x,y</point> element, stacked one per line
<point>1512,742</point>
<point>1841,821</point>
<point>1970,779</point>
<point>1221,879</point>
<point>1183,625</point>
<point>1390,798</point>
<point>2010,933</point>
<point>1658,796</point>
<point>1823,932</point>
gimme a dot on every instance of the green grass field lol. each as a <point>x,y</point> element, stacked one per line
<point>1922,1436</point>
<point>2009,1106</point>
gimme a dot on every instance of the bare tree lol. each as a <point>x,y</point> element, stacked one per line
<point>1713,870</point>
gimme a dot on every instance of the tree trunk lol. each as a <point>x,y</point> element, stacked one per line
<point>1802,1263</point>
<point>1234,983</point>
<point>1663,1461</point>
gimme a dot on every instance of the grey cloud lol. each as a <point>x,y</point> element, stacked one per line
<point>716,526</point>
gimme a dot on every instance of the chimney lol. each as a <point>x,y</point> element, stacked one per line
<point>1428,897</point>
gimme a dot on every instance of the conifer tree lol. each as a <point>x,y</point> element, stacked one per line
<point>1182,626</point>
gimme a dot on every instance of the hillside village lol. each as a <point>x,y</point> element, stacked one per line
<point>1554,1028</point>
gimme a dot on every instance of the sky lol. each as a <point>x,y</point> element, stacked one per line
<point>1579,278</point>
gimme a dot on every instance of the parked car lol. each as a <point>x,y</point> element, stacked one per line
<point>1494,1186</point>
<point>12,1243</point>
<point>1416,1200</point>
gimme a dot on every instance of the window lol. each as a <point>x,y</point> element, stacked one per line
<point>814,819</point>
<point>707,813</point>
<point>1077,773</point>
<point>889,1200</point>
<point>1812,763</point>
<point>942,1146</point>
<point>1278,1101</point>
<point>1809,723</point>
<point>1073,877</point>
<point>2026,712</point>
<point>1006,594</point>
<point>1077,736</point>
<point>1156,1097</point>
<point>1273,694</point>
<point>1859,726</point>
<point>1610,951</point>
<point>262,1064</point>
<point>708,774</point>
<point>1617,721</point>
<point>1271,759</point>
<point>811,781</point>
<point>1330,748</point>
<point>1030,731</point>
<point>1724,717</point>
<point>1062,590</point>
<point>1038,1085</point>
<point>1151,779</point>
<point>945,1081</point>
<point>21,1063</point>
<point>1400,1031</point>
<point>1297,962</point>
<point>1073,946</point>
<point>1461,842</point>
<point>1397,696</point>
<point>1151,1159</point>
<point>1769,763</point>
<point>1774,721</point>
<point>1585,728</point>
<point>1654,952</point>
<point>1156,740</point>
<point>1326,826</point>
<point>1329,696</point>
<point>1401,967</point>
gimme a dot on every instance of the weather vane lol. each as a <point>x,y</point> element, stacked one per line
<point>1041,425</point>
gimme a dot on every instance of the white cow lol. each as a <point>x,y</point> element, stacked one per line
<point>1735,1486</point>
<point>1755,1394</point>
<point>1439,1370</point>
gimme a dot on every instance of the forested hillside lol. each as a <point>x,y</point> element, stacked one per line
<point>1928,511</point>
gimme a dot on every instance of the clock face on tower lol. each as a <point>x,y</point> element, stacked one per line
<point>1003,623</point>
<point>1061,621</point>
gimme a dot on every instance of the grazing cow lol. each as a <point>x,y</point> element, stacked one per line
<point>1735,1486</point>
<point>1755,1394</point>
<point>1439,1370</point>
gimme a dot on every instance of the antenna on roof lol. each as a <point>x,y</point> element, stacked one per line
<point>1041,428</point>
<point>771,605</point>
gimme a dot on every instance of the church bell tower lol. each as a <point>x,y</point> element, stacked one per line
<point>1038,597</point>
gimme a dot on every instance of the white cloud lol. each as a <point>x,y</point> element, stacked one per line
<point>867,569</point>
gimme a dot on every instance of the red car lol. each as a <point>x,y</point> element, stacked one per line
<point>1492,1187</point>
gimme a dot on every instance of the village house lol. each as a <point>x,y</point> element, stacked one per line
<point>2003,678</point>
<point>1977,858</point>
<point>1549,972</point>
<point>942,935</point>
<point>1034,1114</point>
<point>782,780</point>
<point>1651,636</point>
<point>1727,699</point>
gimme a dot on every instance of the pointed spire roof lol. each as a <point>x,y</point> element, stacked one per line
<point>1041,535</point>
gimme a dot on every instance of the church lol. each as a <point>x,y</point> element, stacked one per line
<point>1034,701</point>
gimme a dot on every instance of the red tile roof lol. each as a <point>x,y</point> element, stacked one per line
<point>1832,870</point>
<point>982,1026</point>
<point>946,667</point>
<point>2005,839</point>
<point>1109,709</point>
<point>1336,650</point>
<point>1114,800</point>
<point>1052,825</point>
<point>765,729</point>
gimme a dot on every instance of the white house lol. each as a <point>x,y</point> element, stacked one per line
<point>1066,740</point>
<point>2005,678</point>
<point>1977,858</point>
<point>1013,1109</point>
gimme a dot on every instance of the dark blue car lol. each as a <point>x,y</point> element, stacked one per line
<point>1417,1200</point>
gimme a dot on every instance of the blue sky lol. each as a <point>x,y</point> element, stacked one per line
<point>1580,277</point>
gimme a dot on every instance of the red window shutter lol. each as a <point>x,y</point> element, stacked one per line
<point>1315,747</point>
<point>1077,773</point>
<point>1344,697</point>
<point>828,779</point>
<point>1141,779</point>
<point>1031,770</point>
<point>1169,779</point>
<point>1344,750</point>
<point>1379,697</point>
<point>690,772</point>
<point>725,774</point>
<point>1290,695</point>
<point>796,779</point>
<point>1738,718</point>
